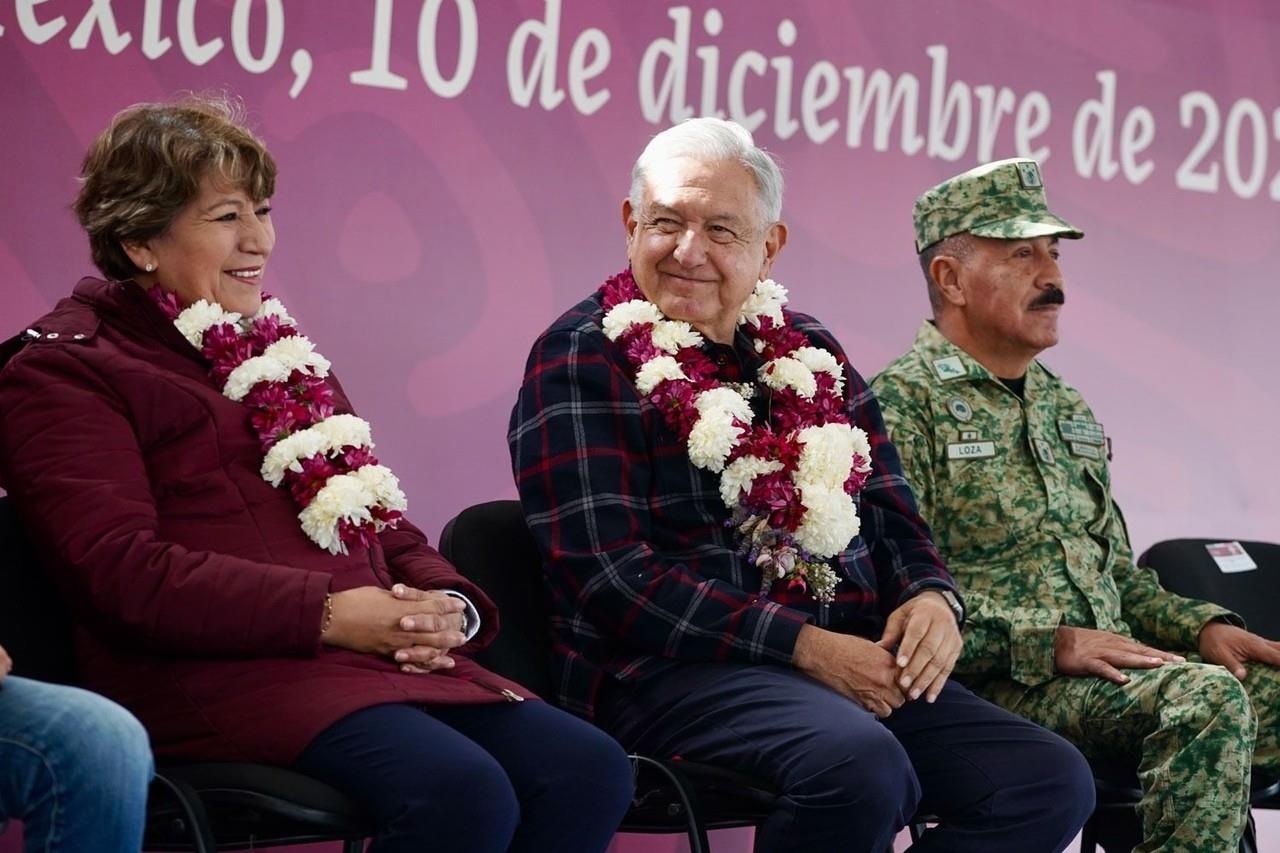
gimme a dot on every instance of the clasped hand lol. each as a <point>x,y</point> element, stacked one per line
<point>927,640</point>
<point>415,627</point>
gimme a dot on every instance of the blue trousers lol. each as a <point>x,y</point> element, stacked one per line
<point>850,782</point>
<point>511,776</point>
<point>74,768</point>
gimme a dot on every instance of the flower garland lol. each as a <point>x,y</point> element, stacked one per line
<point>324,459</point>
<point>789,481</point>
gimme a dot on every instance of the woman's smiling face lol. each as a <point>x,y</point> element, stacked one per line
<point>216,249</point>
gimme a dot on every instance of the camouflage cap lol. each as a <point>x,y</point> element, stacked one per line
<point>1004,199</point>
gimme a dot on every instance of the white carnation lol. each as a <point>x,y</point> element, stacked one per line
<point>826,458</point>
<point>787,372</point>
<point>327,436</point>
<point>740,474</point>
<point>274,308</point>
<point>274,365</point>
<point>820,361</point>
<point>765,301</point>
<point>714,434</point>
<point>711,440</point>
<point>830,522</point>
<point>623,316</point>
<point>343,496</point>
<point>384,486</point>
<point>200,316</point>
<point>657,370</point>
<point>861,446</point>
<point>349,496</point>
<point>724,399</point>
<point>671,336</point>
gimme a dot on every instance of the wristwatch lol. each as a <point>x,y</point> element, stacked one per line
<point>954,603</point>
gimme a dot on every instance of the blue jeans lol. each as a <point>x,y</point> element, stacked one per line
<point>74,768</point>
<point>521,778</point>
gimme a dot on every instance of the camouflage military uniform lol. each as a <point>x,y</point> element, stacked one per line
<point>1018,492</point>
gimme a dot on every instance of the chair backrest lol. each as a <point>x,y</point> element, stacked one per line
<point>1186,567</point>
<point>490,544</point>
<point>35,626</point>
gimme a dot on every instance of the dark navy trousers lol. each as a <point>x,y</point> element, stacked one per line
<point>509,776</point>
<point>848,781</point>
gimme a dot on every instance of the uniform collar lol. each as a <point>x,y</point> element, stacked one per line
<point>947,363</point>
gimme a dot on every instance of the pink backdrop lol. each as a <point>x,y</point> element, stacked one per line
<point>434,212</point>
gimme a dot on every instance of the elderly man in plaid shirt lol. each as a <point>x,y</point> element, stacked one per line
<point>737,568</point>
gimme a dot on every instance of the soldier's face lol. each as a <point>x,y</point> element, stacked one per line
<point>1013,292</point>
<point>697,246</point>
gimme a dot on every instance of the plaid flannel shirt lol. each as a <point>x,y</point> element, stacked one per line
<point>641,570</point>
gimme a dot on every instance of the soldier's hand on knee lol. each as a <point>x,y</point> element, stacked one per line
<point>1087,651</point>
<point>1233,647</point>
<point>927,639</point>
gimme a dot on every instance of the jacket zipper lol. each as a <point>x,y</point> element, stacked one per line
<point>506,693</point>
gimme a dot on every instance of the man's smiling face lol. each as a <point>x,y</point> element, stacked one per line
<point>697,246</point>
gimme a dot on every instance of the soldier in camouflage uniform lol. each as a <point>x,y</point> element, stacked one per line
<point>1010,468</point>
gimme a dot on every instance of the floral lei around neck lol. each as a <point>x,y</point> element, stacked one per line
<point>324,459</point>
<point>789,480</point>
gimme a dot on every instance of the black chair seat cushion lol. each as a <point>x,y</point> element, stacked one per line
<point>256,805</point>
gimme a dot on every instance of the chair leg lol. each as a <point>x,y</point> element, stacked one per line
<point>1089,835</point>
<point>1249,841</point>
<point>197,819</point>
<point>695,828</point>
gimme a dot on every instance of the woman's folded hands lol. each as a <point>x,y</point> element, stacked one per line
<point>415,627</point>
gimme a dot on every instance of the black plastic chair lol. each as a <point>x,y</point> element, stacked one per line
<point>1185,567</point>
<point>490,544</point>
<point>201,807</point>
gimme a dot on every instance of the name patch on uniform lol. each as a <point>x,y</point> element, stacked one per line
<point>950,367</point>
<point>960,409</point>
<point>1074,429</point>
<point>1092,451</point>
<point>1043,450</point>
<point>971,450</point>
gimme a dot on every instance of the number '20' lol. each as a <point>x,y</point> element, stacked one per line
<point>1246,122</point>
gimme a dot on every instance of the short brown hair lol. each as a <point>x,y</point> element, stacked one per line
<point>148,164</point>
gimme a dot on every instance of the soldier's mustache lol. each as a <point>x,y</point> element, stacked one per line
<point>1052,296</point>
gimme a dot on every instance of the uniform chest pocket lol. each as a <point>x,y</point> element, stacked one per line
<point>1094,511</point>
<point>976,504</point>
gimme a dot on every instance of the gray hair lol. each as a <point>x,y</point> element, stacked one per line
<point>712,139</point>
<point>957,246</point>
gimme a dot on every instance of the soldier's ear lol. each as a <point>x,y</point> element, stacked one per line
<point>945,272</point>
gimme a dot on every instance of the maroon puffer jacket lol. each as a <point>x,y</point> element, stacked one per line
<point>199,597</point>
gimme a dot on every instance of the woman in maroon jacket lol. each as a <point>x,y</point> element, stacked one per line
<point>244,580</point>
